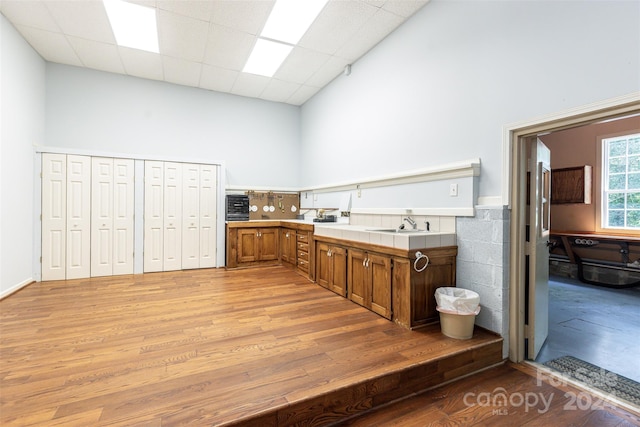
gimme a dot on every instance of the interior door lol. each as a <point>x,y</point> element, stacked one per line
<point>153,215</point>
<point>537,313</point>
<point>208,216</point>
<point>78,217</point>
<point>172,238</point>
<point>123,212</point>
<point>102,217</point>
<point>191,216</point>
<point>54,216</point>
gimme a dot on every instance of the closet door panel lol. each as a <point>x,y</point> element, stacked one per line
<point>191,216</point>
<point>123,215</point>
<point>78,245</point>
<point>172,216</point>
<point>153,216</point>
<point>54,224</point>
<point>102,217</point>
<point>207,197</point>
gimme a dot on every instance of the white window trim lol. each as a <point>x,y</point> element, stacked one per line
<point>598,180</point>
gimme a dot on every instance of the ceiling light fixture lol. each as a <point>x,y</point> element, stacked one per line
<point>266,57</point>
<point>133,25</point>
<point>290,19</point>
<point>287,23</point>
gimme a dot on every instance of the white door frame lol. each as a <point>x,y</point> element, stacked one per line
<point>514,182</point>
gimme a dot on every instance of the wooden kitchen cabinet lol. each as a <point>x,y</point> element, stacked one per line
<point>369,281</point>
<point>331,268</point>
<point>414,302</point>
<point>257,244</point>
<point>288,246</point>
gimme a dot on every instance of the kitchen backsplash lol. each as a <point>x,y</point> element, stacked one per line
<point>445,224</point>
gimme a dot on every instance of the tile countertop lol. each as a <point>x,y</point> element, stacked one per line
<point>368,234</point>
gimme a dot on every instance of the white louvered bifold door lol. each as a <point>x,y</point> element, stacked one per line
<point>123,215</point>
<point>54,217</point>
<point>172,216</point>
<point>208,183</point>
<point>190,216</point>
<point>153,216</point>
<point>78,201</point>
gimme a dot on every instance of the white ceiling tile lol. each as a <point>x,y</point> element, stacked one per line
<point>376,29</point>
<point>53,47</point>
<point>86,19</point>
<point>279,91</point>
<point>96,55</point>
<point>140,63</point>
<point>332,68</point>
<point>29,13</point>
<point>302,95</point>
<point>205,43</point>
<point>247,16</point>
<point>404,8</point>
<point>218,79</point>
<point>179,71</point>
<point>228,48</point>
<point>181,36</point>
<point>250,85</point>
<point>300,65</point>
<point>197,9</point>
<point>336,24</point>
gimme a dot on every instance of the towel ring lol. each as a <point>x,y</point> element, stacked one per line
<point>419,256</point>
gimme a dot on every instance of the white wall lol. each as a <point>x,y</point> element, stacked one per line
<point>22,92</point>
<point>92,110</point>
<point>441,87</point>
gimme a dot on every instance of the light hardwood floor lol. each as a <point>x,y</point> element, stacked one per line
<point>259,346</point>
<point>253,347</point>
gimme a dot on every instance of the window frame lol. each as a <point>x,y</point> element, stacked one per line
<point>602,192</point>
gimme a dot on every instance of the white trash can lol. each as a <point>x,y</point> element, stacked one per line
<point>458,309</point>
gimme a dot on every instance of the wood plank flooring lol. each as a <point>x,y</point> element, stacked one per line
<point>258,346</point>
<point>478,401</point>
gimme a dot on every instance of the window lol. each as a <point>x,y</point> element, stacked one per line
<point>621,182</point>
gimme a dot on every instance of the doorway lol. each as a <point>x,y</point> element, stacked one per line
<point>518,137</point>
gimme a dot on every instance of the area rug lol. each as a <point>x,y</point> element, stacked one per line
<point>609,382</point>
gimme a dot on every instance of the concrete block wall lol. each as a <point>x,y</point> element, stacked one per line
<point>483,264</point>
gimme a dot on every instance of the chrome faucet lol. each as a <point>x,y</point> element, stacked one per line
<point>411,222</point>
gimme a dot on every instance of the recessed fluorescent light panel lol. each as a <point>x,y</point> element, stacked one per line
<point>266,57</point>
<point>133,25</point>
<point>287,23</point>
<point>290,19</point>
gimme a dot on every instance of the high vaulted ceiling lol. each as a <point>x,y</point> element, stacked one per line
<point>205,44</point>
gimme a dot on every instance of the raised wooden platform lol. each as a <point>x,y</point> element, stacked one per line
<point>257,346</point>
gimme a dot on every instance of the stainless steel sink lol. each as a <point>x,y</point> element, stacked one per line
<point>395,230</point>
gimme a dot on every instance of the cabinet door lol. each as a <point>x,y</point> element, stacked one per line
<point>101,217</point>
<point>247,245</point>
<point>153,216</point>
<point>172,217</point>
<point>288,246</point>
<point>190,216</point>
<point>268,244</point>
<point>380,275</point>
<point>358,278</point>
<point>78,248</point>
<point>323,265</point>
<point>208,182</point>
<point>123,212</point>
<point>338,283</point>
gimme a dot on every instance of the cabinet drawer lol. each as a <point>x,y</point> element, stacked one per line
<point>303,247</point>
<point>303,265</point>
<point>303,255</point>
<point>303,237</point>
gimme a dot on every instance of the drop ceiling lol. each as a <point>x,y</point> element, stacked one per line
<point>205,44</point>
